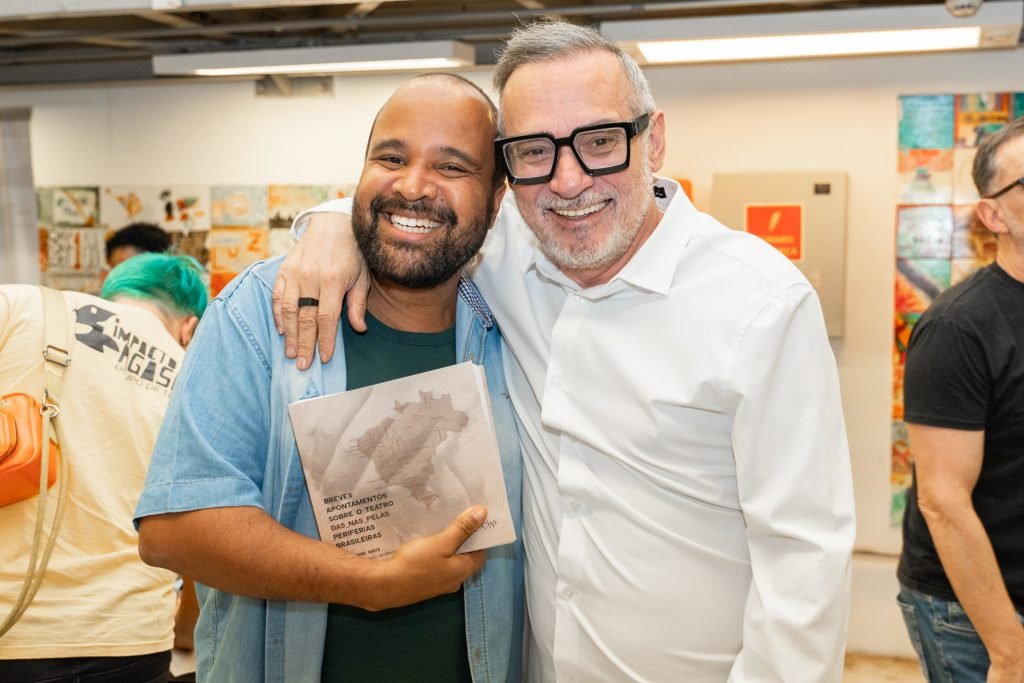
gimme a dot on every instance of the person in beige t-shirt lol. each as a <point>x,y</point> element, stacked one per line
<point>100,610</point>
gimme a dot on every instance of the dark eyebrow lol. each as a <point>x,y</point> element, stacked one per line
<point>382,145</point>
<point>445,150</point>
<point>461,156</point>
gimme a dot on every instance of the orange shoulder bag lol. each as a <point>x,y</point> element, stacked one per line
<point>30,449</point>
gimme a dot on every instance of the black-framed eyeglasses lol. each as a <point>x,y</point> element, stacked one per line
<point>600,149</point>
<point>999,193</point>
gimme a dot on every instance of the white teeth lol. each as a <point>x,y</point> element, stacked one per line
<point>414,225</point>
<point>581,212</point>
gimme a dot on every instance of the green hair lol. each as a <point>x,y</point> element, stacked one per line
<point>173,281</point>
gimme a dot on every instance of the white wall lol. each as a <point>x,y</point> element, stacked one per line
<point>811,115</point>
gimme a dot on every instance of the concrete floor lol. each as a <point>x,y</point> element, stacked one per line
<point>872,669</point>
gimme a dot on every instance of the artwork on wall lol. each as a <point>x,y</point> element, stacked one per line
<point>285,202</point>
<point>122,205</point>
<point>232,250</point>
<point>926,122</point>
<point>939,240</point>
<point>226,228</point>
<point>76,207</point>
<point>238,205</point>
<point>964,191</point>
<point>175,209</point>
<point>925,176</point>
<point>979,114</point>
<point>924,231</point>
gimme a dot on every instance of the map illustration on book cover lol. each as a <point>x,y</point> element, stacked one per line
<point>402,459</point>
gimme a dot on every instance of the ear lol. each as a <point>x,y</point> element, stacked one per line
<point>657,128</point>
<point>499,194</point>
<point>989,213</point>
<point>186,330</point>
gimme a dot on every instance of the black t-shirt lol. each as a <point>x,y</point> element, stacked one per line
<point>965,370</point>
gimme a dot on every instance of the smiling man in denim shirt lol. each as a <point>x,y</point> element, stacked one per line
<point>226,501</point>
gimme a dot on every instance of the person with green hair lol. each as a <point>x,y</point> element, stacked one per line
<point>100,612</point>
<point>170,286</point>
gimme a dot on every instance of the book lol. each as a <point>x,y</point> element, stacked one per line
<point>402,459</point>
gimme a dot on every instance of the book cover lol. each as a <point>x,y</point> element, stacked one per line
<point>398,460</point>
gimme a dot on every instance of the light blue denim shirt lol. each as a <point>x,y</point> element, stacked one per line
<point>227,441</point>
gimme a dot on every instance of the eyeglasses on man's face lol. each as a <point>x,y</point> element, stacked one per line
<point>1000,193</point>
<point>600,149</point>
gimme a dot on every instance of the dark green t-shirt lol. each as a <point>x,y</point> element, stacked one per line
<point>425,641</point>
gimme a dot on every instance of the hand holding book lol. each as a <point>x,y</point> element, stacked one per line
<point>429,566</point>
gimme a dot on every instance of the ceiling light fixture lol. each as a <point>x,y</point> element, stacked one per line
<point>429,55</point>
<point>827,33</point>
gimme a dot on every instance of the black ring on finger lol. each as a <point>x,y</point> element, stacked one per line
<point>308,301</point>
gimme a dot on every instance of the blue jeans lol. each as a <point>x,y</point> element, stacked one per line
<point>946,643</point>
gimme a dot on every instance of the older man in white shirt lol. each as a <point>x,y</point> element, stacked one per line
<point>688,510</point>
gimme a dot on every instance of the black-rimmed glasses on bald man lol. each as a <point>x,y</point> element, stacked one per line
<point>999,193</point>
<point>600,149</point>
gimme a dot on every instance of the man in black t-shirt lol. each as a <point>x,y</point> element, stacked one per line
<point>962,566</point>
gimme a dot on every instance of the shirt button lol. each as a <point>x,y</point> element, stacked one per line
<point>556,382</point>
<point>567,593</point>
<point>575,506</point>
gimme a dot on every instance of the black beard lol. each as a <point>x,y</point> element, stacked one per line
<point>425,266</point>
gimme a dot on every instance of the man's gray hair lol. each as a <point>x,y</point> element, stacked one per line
<point>986,162</point>
<point>543,41</point>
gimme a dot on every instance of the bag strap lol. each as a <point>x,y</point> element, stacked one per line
<point>56,358</point>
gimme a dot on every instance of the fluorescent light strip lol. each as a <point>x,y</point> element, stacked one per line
<point>332,67</point>
<point>809,45</point>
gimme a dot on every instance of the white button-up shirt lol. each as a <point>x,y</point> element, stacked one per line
<point>688,510</point>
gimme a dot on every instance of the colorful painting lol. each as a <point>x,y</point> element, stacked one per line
<point>238,205</point>
<point>926,122</point>
<point>184,209</point>
<point>918,282</point>
<point>924,232</point>
<point>964,191</point>
<point>897,392</point>
<point>939,240</point>
<point>75,251</point>
<point>979,114</point>
<point>902,328</point>
<point>122,205</point>
<point>74,207</point>
<point>191,244</point>
<point>232,250</point>
<point>925,176</point>
<point>901,474</point>
<point>285,202</point>
<point>226,227</point>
